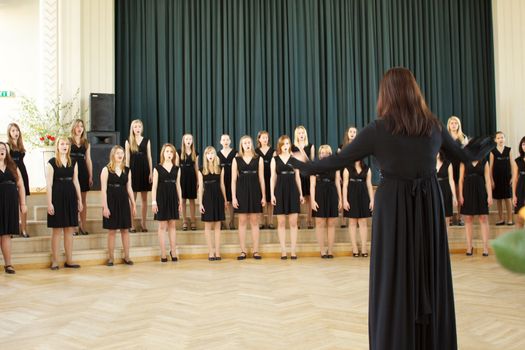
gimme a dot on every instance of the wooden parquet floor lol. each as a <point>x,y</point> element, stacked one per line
<point>270,304</point>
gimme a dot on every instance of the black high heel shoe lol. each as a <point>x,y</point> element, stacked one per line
<point>9,269</point>
<point>470,253</point>
<point>173,258</point>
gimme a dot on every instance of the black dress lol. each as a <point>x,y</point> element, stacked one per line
<point>357,194</point>
<point>267,158</point>
<point>411,303</point>
<point>63,197</point>
<point>286,192</point>
<point>118,202</point>
<point>8,204</point>
<point>248,189</point>
<point>520,185</point>
<point>326,196</point>
<point>188,179</point>
<point>226,165</point>
<point>305,180</point>
<point>78,154</point>
<point>18,157</point>
<point>212,198</point>
<point>456,164</point>
<point>167,196</point>
<point>444,184</point>
<point>139,166</point>
<point>474,191</point>
<point>502,174</point>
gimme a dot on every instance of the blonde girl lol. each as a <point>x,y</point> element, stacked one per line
<point>139,161</point>
<point>304,151</point>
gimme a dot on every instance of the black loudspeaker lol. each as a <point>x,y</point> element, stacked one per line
<point>101,144</point>
<point>102,112</point>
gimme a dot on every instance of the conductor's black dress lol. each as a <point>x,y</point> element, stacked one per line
<point>411,301</point>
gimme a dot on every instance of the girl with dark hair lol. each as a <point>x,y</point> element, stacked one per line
<point>501,175</point>
<point>409,236</point>
<point>266,152</point>
<point>446,183</point>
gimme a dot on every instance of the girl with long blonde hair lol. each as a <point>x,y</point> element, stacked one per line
<point>455,130</point>
<point>138,159</point>
<point>118,202</point>
<point>64,201</point>
<point>81,154</point>
<point>189,168</point>
<point>166,199</point>
<point>212,199</point>
<point>304,151</point>
<point>248,193</point>
<point>17,152</point>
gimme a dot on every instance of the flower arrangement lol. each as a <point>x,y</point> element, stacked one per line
<point>44,126</point>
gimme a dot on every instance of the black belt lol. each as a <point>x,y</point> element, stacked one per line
<point>138,152</point>
<point>248,171</point>
<point>63,179</point>
<point>78,155</point>
<point>472,175</point>
<point>502,158</point>
<point>210,181</point>
<point>7,182</point>
<point>114,185</point>
<point>15,159</point>
<point>170,181</point>
<point>325,180</point>
<point>226,164</point>
<point>442,178</point>
<point>522,172</point>
<point>184,164</point>
<point>287,172</point>
<point>356,180</point>
<point>266,161</point>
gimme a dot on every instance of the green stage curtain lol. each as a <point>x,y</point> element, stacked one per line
<point>209,67</point>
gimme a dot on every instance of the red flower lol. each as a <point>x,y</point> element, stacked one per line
<point>42,138</point>
<point>49,137</point>
<point>52,138</point>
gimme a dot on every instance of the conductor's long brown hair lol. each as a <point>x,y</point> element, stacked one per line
<point>402,105</point>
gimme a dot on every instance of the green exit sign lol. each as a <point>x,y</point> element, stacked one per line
<point>7,94</point>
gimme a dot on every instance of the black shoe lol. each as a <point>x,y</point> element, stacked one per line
<point>173,258</point>
<point>508,224</point>
<point>256,256</point>
<point>470,253</point>
<point>501,223</point>
<point>71,266</point>
<point>163,260</point>
<point>242,256</point>
<point>128,261</point>
<point>364,255</point>
<point>110,263</point>
<point>343,226</point>
<point>293,257</point>
<point>217,258</point>
<point>25,235</point>
<point>75,233</point>
<point>461,223</point>
<point>284,257</point>
<point>485,254</point>
<point>211,258</point>
<point>9,269</point>
<point>329,256</point>
<point>356,255</point>
<point>324,256</point>
<point>54,267</point>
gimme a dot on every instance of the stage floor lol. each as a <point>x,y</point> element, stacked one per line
<point>195,304</point>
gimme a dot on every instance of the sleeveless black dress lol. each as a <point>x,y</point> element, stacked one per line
<point>8,204</point>
<point>520,185</point>
<point>139,167</point>
<point>248,188</point>
<point>78,154</point>
<point>118,201</point>
<point>18,157</point>
<point>474,191</point>
<point>63,197</point>
<point>456,164</point>
<point>267,158</point>
<point>357,194</point>
<point>188,177</point>
<point>444,184</point>
<point>326,196</point>
<point>305,180</point>
<point>167,196</point>
<point>502,174</point>
<point>226,165</point>
<point>286,191</point>
<point>212,198</point>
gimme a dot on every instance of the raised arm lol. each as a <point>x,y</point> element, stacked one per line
<point>476,149</point>
<point>362,146</point>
